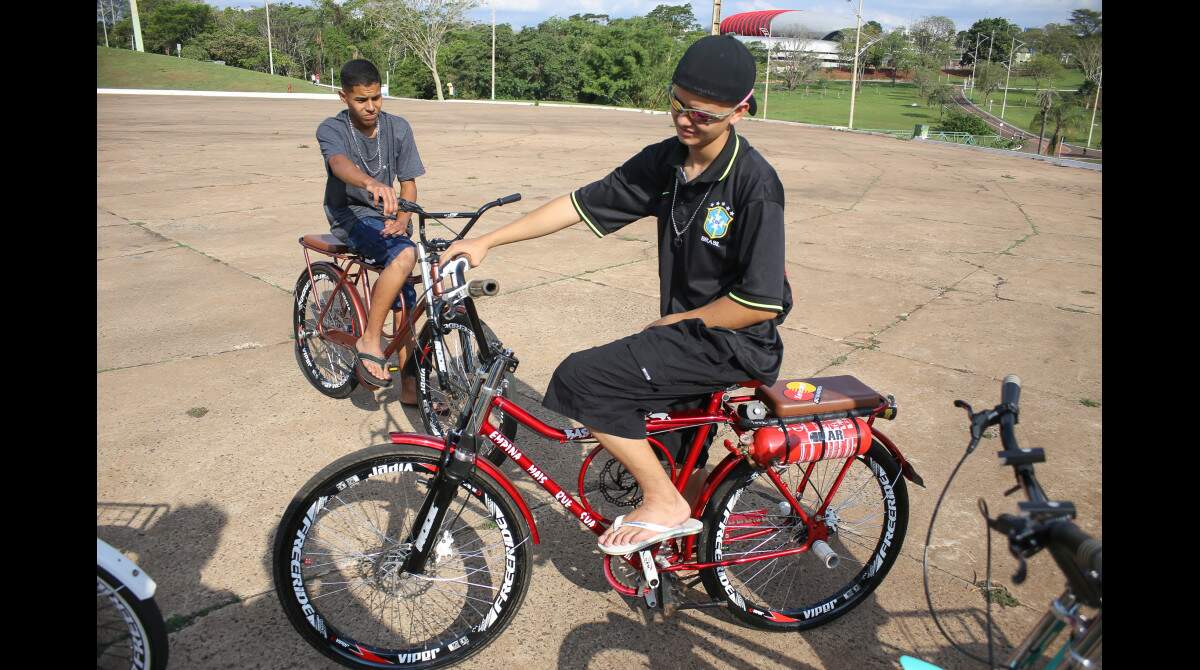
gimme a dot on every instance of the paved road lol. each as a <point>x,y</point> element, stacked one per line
<point>927,271</point>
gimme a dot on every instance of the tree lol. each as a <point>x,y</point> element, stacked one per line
<point>680,18</point>
<point>958,122</point>
<point>1064,115</point>
<point>798,66</point>
<point>988,78</point>
<point>1054,40</point>
<point>421,25</point>
<point>166,23</point>
<point>870,55</point>
<point>933,39</point>
<point>1087,22</point>
<point>981,32</point>
<point>1044,69</point>
<point>1045,101</point>
<point>897,51</point>
<point>940,95</point>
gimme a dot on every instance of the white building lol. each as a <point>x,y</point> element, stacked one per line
<point>785,31</point>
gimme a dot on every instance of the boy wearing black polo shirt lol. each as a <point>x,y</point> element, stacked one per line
<point>721,278</point>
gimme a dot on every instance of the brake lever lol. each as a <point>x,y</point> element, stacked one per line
<point>1018,576</point>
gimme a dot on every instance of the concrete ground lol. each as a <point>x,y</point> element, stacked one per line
<point>927,271</point>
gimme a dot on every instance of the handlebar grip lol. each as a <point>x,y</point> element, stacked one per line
<point>1010,391</point>
<point>509,199</point>
<point>1086,550</point>
<point>481,287</point>
<point>407,205</point>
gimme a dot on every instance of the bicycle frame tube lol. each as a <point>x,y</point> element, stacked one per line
<point>354,273</point>
<point>686,419</point>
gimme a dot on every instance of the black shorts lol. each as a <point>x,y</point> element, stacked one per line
<point>611,388</point>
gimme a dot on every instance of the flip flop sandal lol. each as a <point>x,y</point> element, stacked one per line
<point>366,376</point>
<point>689,527</point>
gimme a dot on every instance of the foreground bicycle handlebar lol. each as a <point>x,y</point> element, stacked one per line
<point>441,245</point>
<point>1042,523</point>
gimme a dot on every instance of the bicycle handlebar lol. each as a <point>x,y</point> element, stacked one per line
<point>1043,523</point>
<point>410,206</point>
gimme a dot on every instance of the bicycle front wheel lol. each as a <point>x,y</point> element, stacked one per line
<point>341,546</point>
<point>444,384</point>
<point>327,365</point>
<point>130,634</point>
<point>867,518</point>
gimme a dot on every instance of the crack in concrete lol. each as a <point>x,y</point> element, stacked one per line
<point>140,253</point>
<point>187,358</point>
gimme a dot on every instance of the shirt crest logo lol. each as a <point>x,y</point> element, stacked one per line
<point>717,221</point>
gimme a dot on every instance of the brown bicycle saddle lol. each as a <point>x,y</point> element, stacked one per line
<point>327,243</point>
<point>818,395</point>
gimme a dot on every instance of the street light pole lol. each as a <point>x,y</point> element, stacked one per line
<point>854,71</point>
<point>270,54</point>
<point>1012,53</point>
<point>493,4</point>
<point>716,20</point>
<point>137,26</point>
<point>1095,104</point>
<point>767,82</point>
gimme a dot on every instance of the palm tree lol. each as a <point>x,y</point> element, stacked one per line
<point>1066,114</point>
<point>1045,101</point>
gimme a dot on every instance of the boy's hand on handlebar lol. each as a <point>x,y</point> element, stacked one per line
<point>475,250</point>
<point>381,193</point>
<point>398,225</point>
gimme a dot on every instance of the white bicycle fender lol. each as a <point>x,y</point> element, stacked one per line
<point>124,570</point>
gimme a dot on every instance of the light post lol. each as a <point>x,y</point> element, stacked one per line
<point>716,20</point>
<point>975,59</point>
<point>1095,104</point>
<point>137,26</point>
<point>767,83</point>
<point>854,71</point>
<point>493,4</point>
<point>270,54</point>
<point>1012,54</point>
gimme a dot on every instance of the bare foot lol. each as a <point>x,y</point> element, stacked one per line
<point>372,346</point>
<point>668,513</point>
<point>408,390</point>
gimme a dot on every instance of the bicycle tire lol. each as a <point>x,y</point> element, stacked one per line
<point>130,633</point>
<point>822,594</point>
<point>329,367</point>
<point>441,405</point>
<point>329,602</point>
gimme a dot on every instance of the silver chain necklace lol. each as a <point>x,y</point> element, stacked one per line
<point>378,146</point>
<point>675,226</point>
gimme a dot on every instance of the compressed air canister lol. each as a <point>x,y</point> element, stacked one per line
<point>810,441</point>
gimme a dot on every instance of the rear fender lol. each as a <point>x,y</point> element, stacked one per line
<point>482,464</point>
<point>906,468</point>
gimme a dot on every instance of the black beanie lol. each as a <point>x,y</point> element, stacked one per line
<point>718,67</point>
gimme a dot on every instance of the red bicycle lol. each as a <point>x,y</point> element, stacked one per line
<point>417,552</point>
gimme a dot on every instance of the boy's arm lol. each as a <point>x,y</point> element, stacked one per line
<point>720,313</point>
<point>551,217</point>
<point>343,168</point>
<point>397,226</point>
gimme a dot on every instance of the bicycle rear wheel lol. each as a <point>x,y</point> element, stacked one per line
<point>130,633</point>
<point>747,515</point>
<point>327,365</point>
<point>342,543</point>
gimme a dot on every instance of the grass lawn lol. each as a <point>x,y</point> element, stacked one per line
<point>1022,112</point>
<point>877,106</point>
<point>124,68</point>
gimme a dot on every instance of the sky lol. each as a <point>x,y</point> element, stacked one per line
<point>890,13</point>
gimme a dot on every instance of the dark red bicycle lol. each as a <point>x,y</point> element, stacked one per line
<point>417,552</point>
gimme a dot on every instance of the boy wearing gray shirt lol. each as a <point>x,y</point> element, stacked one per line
<point>365,151</point>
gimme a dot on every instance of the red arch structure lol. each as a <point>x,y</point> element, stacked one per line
<point>751,24</point>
